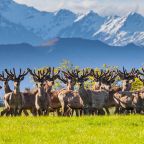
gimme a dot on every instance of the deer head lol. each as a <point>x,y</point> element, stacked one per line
<point>39,78</point>
<point>127,78</point>
<point>98,75</point>
<point>68,79</point>
<point>80,76</point>
<point>108,79</point>
<point>51,77</point>
<point>5,79</point>
<point>16,79</point>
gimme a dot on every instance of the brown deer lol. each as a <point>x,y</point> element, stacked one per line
<point>68,97</point>
<point>80,78</point>
<point>139,95</point>
<point>125,98</point>
<point>107,80</point>
<point>102,97</point>
<point>13,100</point>
<point>53,100</point>
<point>41,97</point>
<point>5,79</point>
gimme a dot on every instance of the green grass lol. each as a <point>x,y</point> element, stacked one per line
<point>64,130</point>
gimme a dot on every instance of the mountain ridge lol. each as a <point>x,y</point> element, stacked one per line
<point>116,30</point>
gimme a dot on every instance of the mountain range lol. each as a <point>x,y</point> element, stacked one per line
<point>81,52</point>
<point>22,24</point>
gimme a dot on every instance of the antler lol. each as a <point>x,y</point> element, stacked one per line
<point>109,77</point>
<point>97,75</point>
<point>52,75</point>
<point>3,77</point>
<point>139,73</point>
<point>67,76</point>
<point>83,76</point>
<point>12,75</point>
<point>40,75</point>
<point>126,75</point>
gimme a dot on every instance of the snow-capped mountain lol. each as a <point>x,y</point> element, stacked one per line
<point>84,26</point>
<point>27,24</point>
<point>43,24</point>
<point>122,30</point>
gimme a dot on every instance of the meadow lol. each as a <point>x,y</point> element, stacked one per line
<point>72,130</point>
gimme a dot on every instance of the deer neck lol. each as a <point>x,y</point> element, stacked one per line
<point>41,92</point>
<point>7,88</point>
<point>16,90</point>
<point>48,88</point>
<point>82,88</point>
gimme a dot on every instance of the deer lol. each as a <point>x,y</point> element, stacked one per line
<point>125,98</point>
<point>80,78</point>
<point>5,79</point>
<point>53,99</point>
<point>13,100</point>
<point>107,80</point>
<point>70,100</point>
<point>139,95</point>
<point>103,96</point>
<point>41,97</point>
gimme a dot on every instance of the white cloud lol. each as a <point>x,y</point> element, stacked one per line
<point>103,7</point>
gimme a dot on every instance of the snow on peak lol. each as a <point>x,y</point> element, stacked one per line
<point>63,12</point>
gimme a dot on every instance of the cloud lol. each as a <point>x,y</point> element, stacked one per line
<point>103,7</point>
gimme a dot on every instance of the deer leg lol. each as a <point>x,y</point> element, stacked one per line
<point>25,112</point>
<point>4,111</point>
<point>59,112</point>
<point>81,112</point>
<point>107,110</point>
<point>101,112</point>
<point>77,112</point>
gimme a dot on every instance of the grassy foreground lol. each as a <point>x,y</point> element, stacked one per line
<point>83,130</point>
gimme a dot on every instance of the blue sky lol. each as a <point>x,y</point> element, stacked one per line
<point>103,7</point>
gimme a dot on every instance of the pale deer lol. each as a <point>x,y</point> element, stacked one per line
<point>14,100</point>
<point>41,97</point>
<point>101,97</point>
<point>125,98</point>
<point>68,97</point>
<point>53,100</point>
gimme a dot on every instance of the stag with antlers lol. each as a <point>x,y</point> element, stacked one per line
<point>68,97</point>
<point>13,100</point>
<point>139,97</point>
<point>80,77</point>
<point>101,97</point>
<point>41,98</point>
<point>125,98</point>
<point>5,78</point>
<point>53,100</point>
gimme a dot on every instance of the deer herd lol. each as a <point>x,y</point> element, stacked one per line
<point>65,102</point>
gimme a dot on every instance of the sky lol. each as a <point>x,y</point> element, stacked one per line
<point>103,7</point>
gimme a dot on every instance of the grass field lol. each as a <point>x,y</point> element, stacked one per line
<point>82,130</point>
